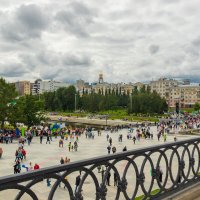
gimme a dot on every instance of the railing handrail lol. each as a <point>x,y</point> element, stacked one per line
<point>86,162</point>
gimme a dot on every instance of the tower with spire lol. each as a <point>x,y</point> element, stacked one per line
<point>100,78</point>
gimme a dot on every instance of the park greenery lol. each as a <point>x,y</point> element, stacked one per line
<point>67,99</point>
<point>197,107</point>
<point>27,110</point>
<point>30,110</point>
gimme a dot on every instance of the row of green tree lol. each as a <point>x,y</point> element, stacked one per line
<point>27,109</point>
<point>30,109</point>
<point>67,99</point>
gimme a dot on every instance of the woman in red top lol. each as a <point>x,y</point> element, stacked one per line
<point>24,154</point>
<point>36,166</point>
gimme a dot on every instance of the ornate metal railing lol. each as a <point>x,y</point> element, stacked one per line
<point>147,173</point>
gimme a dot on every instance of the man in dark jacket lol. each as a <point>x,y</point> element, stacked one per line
<point>108,178</point>
<point>78,180</point>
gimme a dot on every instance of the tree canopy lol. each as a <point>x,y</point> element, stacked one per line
<point>142,101</point>
<point>196,106</point>
<point>7,100</point>
<point>27,109</point>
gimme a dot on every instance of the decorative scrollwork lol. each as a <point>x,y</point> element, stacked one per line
<point>102,192</point>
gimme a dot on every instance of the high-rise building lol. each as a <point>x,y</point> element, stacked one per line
<point>162,86</point>
<point>39,87</point>
<point>36,87</point>
<point>23,87</point>
<point>185,95</point>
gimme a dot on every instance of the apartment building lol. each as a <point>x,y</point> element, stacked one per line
<point>23,87</point>
<point>185,95</point>
<point>162,86</point>
<point>40,86</point>
<point>173,90</point>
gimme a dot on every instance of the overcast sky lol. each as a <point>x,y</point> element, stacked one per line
<point>126,40</point>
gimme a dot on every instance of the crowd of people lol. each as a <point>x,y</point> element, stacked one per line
<point>69,138</point>
<point>7,137</point>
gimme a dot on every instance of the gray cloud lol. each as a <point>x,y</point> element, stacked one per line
<point>76,18</point>
<point>54,59</point>
<point>32,17</point>
<point>76,60</point>
<point>12,70</point>
<point>196,42</point>
<point>27,22</point>
<point>51,74</point>
<point>127,41</point>
<point>153,49</point>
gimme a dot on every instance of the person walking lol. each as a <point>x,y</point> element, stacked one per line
<point>24,153</point>
<point>48,182</point>
<point>110,141</point>
<point>36,166</point>
<point>17,167</point>
<point>124,149</point>
<point>77,183</point>
<point>108,179</point>
<point>29,138</point>
<point>69,146</point>
<point>66,160</point>
<point>165,137</point>
<point>75,146</point>
<point>102,172</point>
<point>107,136</point>
<point>62,161</point>
<point>61,143</point>
<point>160,174</point>
<point>115,179</point>
<point>109,148</point>
<point>114,149</point>
<point>48,139</point>
<point>50,135</point>
<point>41,137</point>
<point>134,139</point>
<point>99,169</point>
<point>120,138</point>
<point>59,173</point>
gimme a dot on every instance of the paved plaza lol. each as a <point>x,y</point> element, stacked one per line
<point>49,154</point>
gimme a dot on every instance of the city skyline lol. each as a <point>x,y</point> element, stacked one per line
<point>129,41</point>
<point>73,82</point>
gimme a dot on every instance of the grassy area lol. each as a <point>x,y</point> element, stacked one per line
<point>122,114</point>
<point>154,192</point>
<point>188,110</point>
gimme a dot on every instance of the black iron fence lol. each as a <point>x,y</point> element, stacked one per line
<point>147,173</point>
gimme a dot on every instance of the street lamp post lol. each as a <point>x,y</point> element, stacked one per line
<point>131,103</point>
<point>75,103</point>
<point>106,117</point>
